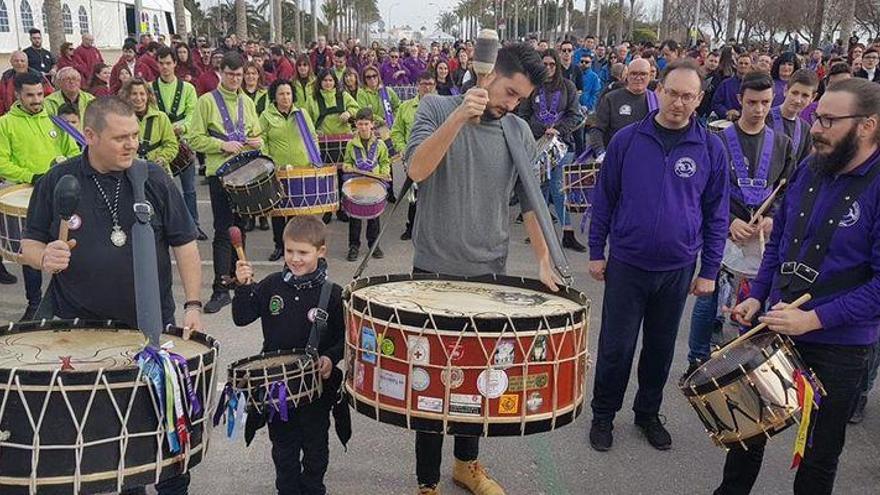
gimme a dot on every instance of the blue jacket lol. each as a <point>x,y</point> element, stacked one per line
<point>661,210</point>
<point>724,98</point>
<point>579,53</point>
<point>592,88</point>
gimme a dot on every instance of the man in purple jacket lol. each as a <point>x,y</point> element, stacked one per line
<point>662,198</point>
<point>724,102</point>
<point>825,242</point>
<point>392,72</point>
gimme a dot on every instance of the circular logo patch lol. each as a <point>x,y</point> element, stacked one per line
<point>685,167</point>
<point>492,383</point>
<point>452,378</point>
<point>387,346</point>
<point>420,379</point>
<point>276,305</point>
<point>852,215</point>
<point>75,222</point>
<point>312,314</point>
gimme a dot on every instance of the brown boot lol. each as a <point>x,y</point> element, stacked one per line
<point>472,476</point>
<point>429,490</point>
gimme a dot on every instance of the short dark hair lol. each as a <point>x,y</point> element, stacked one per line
<point>521,58</point>
<point>339,53</point>
<point>743,54</point>
<point>276,51</point>
<point>784,58</point>
<point>756,81</point>
<point>870,50</point>
<point>866,95</point>
<point>804,76</point>
<point>34,31</point>
<point>306,228</point>
<point>839,68</point>
<point>165,51</point>
<point>153,46</point>
<point>566,42</point>
<point>232,61</point>
<point>98,110</point>
<point>365,113</point>
<point>685,63</point>
<point>28,78</point>
<point>129,44</point>
<point>426,76</point>
<point>277,83</point>
<point>68,109</point>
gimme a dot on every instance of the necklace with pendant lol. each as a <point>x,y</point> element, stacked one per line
<point>117,235</point>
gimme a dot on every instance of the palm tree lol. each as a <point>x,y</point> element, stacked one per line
<point>818,22</point>
<point>731,19</point>
<point>446,22</point>
<point>241,25</point>
<point>180,20</point>
<point>55,29</point>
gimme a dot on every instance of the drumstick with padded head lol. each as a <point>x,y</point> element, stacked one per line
<point>235,240</point>
<point>485,54</point>
<point>767,202</point>
<point>66,198</point>
<point>742,338</point>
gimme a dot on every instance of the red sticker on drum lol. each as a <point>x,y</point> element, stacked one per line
<point>75,222</point>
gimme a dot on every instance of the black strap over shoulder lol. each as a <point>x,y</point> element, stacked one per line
<point>146,146</point>
<point>319,326</point>
<point>175,104</point>
<point>324,111</point>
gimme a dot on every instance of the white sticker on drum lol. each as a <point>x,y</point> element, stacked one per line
<point>492,383</point>
<point>465,404</point>
<point>504,353</point>
<point>420,380</point>
<point>430,404</point>
<point>391,384</point>
<point>419,349</point>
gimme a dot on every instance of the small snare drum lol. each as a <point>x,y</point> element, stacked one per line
<point>250,181</point>
<point>363,197</point>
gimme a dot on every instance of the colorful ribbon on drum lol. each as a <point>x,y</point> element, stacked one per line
<point>169,375</point>
<point>277,399</point>
<point>232,407</point>
<point>807,396</point>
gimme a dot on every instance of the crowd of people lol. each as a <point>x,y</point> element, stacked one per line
<point>775,117</point>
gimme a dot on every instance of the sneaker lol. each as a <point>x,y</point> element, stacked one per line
<point>655,432</point>
<point>29,312</point>
<point>406,235</point>
<point>200,234</point>
<point>218,300</point>
<point>569,241</point>
<point>429,490</point>
<point>249,224</point>
<point>378,254</point>
<point>472,476</point>
<point>264,223</point>
<point>352,253</point>
<point>327,218</point>
<point>276,255</point>
<point>601,437</point>
<point>858,413</point>
<point>6,278</point>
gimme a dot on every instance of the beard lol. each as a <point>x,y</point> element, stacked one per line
<point>493,113</point>
<point>831,162</point>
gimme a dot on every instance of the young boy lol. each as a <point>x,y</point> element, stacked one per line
<point>287,303</point>
<point>365,153</point>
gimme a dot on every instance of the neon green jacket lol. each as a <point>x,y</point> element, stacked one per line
<point>163,141</point>
<point>260,99</point>
<point>29,144</point>
<point>54,101</point>
<point>403,122</point>
<point>207,118</point>
<point>187,106</point>
<point>282,141</point>
<point>382,166</point>
<point>370,98</point>
<point>302,94</point>
<point>331,123</point>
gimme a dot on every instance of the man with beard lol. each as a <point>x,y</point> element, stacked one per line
<point>825,242</point>
<point>459,167</point>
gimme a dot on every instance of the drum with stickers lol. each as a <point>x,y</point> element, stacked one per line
<point>307,191</point>
<point>486,356</point>
<point>751,389</point>
<point>274,382</point>
<point>13,212</point>
<point>79,414</point>
<point>251,183</point>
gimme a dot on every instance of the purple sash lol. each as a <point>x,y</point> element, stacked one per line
<point>548,113</point>
<point>234,132</point>
<point>652,101</point>
<point>386,104</point>
<point>308,142</point>
<point>779,126</point>
<point>369,163</point>
<point>753,190</point>
<point>69,129</point>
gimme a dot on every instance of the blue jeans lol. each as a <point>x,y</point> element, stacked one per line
<point>188,186</point>
<point>704,321</point>
<point>553,191</point>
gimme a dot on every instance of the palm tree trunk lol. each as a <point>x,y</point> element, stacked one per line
<point>632,18</point>
<point>55,29</point>
<point>180,20</point>
<point>818,22</point>
<point>730,32</point>
<point>297,25</point>
<point>314,20</point>
<point>846,22</point>
<point>241,20</point>
<point>586,17</point>
<point>620,20</point>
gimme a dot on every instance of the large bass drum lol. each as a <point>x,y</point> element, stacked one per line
<point>487,356</point>
<point>77,415</point>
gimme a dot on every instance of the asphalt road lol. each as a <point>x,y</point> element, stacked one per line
<point>380,458</point>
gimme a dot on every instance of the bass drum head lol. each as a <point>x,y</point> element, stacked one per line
<point>363,190</point>
<point>250,172</point>
<point>14,200</point>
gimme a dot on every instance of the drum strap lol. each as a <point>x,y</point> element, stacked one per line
<point>308,141</point>
<point>753,190</point>
<point>798,274</point>
<point>323,111</point>
<point>175,104</point>
<point>653,104</point>
<point>386,106</point>
<point>319,326</point>
<point>143,250</point>
<point>779,126</point>
<point>146,146</point>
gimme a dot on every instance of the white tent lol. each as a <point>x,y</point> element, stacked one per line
<point>441,37</point>
<point>110,21</point>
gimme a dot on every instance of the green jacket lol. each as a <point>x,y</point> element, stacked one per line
<point>339,73</point>
<point>185,109</point>
<point>403,122</point>
<point>30,144</point>
<point>54,101</point>
<point>163,141</point>
<point>303,94</point>
<point>382,166</point>
<point>281,138</point>
<point>331,123</point>
<point>260,99</point>
<point>207,118</point>
<point>370,98</point>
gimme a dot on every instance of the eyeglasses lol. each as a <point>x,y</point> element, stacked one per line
<point>686,98</point>
<point>395,56</point>
<point>549,64</point>
<point>639,74</point>
<point>826,122</point>
<point>566,50</point>
<point>427,84</point>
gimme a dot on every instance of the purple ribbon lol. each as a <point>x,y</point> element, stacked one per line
<point>234,132</point>
<point>549,114</point>
<point>221,403</point>
<point>753,190</point>
<point>69,129</point>
<point>652,101</point>
<point>308,141</point>
<point>180,361</point>
<point>779,126</point>
<point>386,104</point>
<point>454,91</point>
<point>366,164</point>
<point>278,401</point>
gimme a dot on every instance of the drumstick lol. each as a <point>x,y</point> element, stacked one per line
<point>368,174</point>
<point>767,202</point>
<point>485,54</point>
<point>739,340</point>
<point>587,175</point>
<point>761,241</point>
<point>66,197</point>
<point>235,239</point>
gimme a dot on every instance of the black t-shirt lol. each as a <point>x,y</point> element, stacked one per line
<point>99,283</point>
<point>40,59</point>
<point>669,137</point>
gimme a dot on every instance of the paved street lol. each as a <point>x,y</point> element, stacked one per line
<point>380,458</point>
